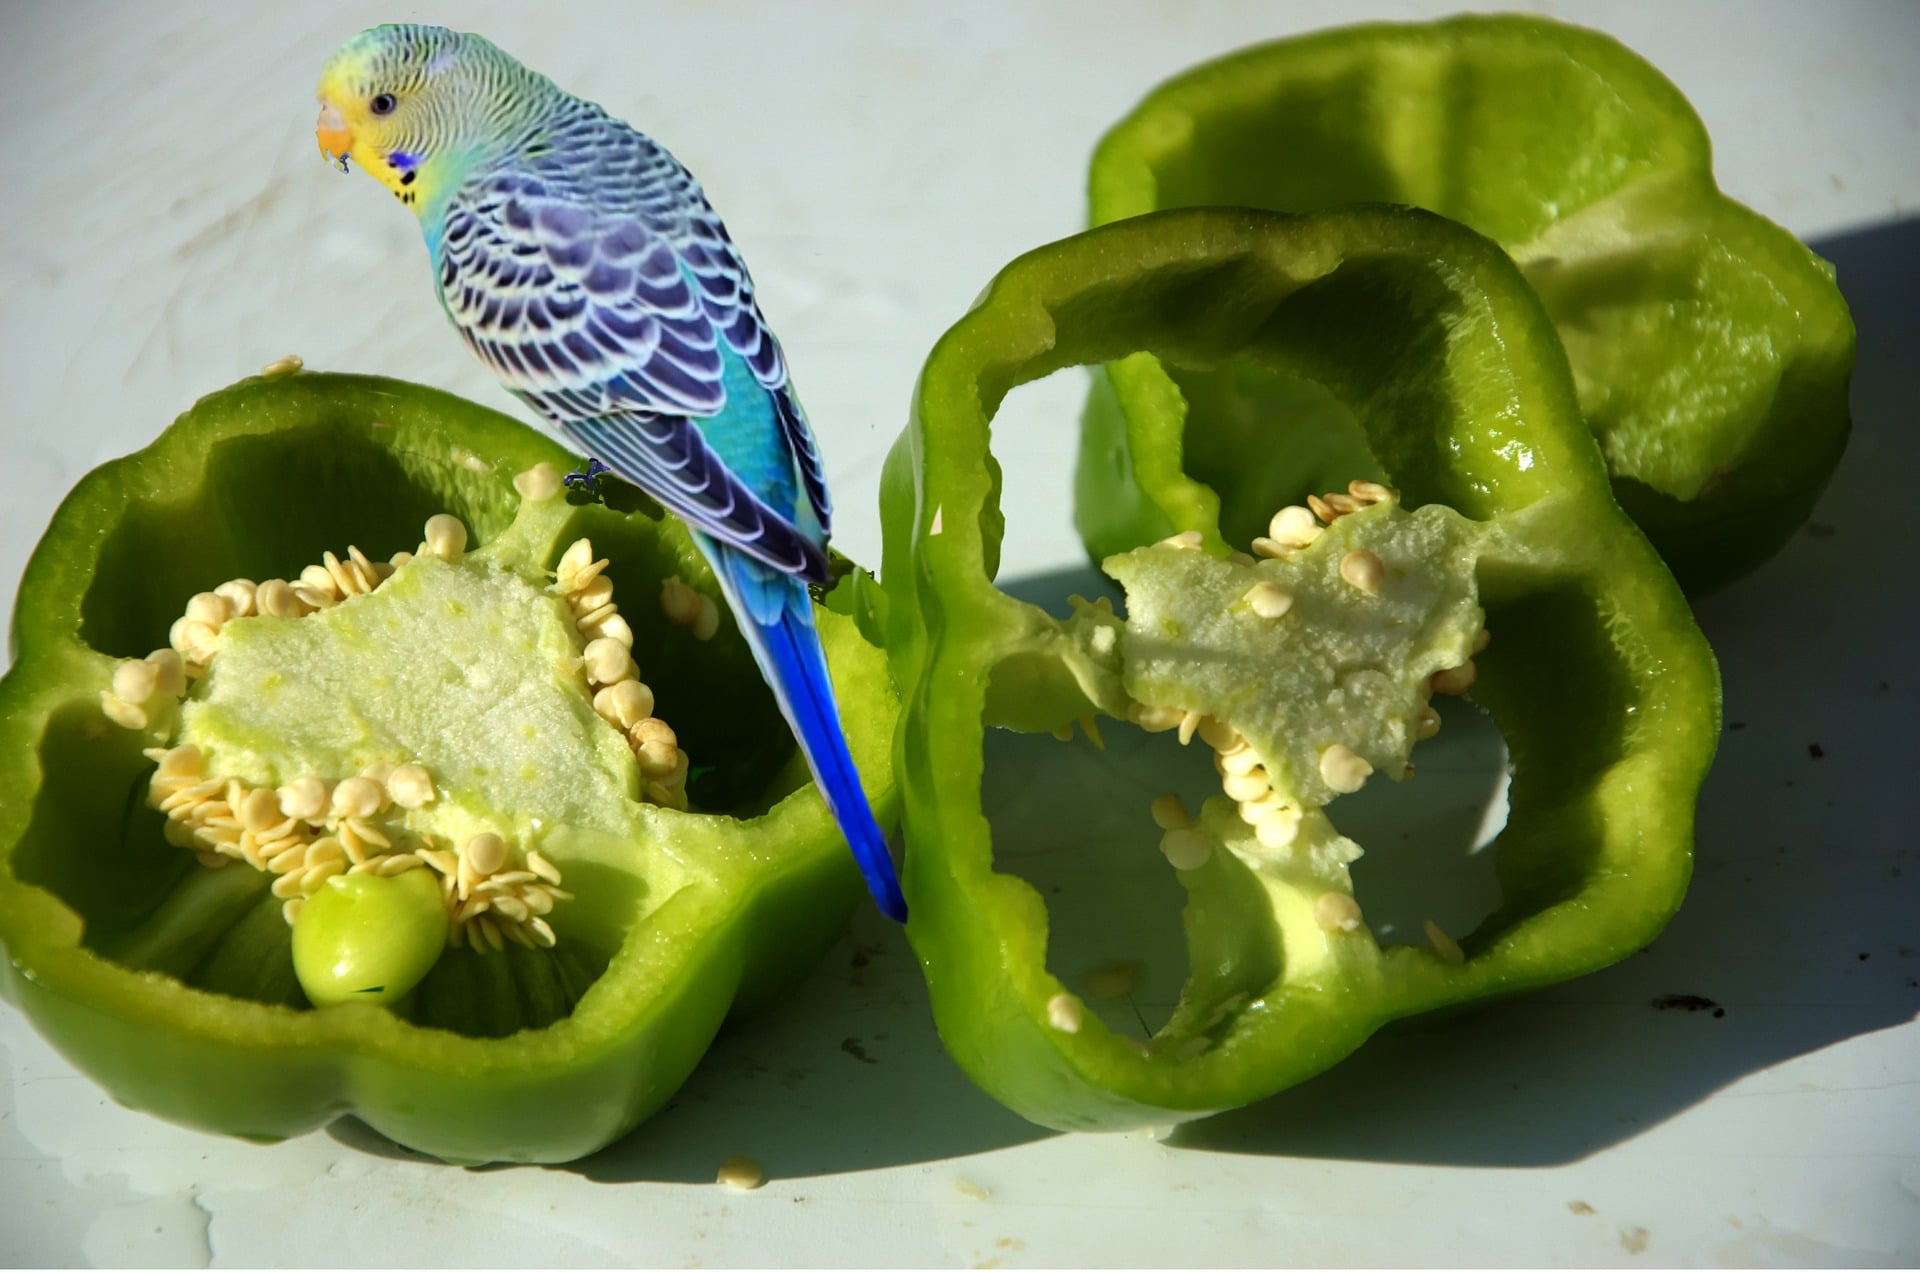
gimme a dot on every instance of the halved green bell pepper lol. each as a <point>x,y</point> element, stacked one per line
<point>1605,691</point>
<point>174,982</point>
<point>1710,349</point>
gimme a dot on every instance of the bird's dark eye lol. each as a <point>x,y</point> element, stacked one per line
<point>382,104</point>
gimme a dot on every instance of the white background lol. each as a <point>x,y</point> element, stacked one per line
<point>171,228</point>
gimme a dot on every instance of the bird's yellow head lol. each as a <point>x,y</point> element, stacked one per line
<point>413,105</point>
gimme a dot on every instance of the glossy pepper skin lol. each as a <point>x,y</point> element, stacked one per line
<point>1605,691</point>
<point>251,481</point>
<point>1711,350</point>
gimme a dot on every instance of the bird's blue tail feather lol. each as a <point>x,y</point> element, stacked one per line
<point>776,616</point>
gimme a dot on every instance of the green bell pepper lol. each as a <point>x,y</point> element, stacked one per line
<point>1307,664</point>
<point>1710,349</point>
<point>431,792</point>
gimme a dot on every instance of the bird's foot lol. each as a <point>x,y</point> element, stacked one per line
<point>588,480</point>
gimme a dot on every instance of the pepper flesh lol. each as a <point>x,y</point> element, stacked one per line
<point>522,1055</point>
<point>1711,350</point>
<point>1602,686</point>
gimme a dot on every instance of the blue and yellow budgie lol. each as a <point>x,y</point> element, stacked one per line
<point>584,265</point>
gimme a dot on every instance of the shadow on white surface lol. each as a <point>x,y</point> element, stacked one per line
<point>1799,927</point>
<point>845,1075</point>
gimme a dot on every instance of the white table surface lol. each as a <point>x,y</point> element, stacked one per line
<point>170,229</point>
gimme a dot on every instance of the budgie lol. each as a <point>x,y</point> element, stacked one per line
<point>584,265</point>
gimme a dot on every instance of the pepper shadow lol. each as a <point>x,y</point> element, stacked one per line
<point>1798,931</point>
<point>844,1074</point>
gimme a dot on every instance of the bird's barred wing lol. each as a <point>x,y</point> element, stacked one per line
<point>598,283</point>
<point>667,456</point>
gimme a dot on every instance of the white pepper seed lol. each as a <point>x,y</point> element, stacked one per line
<point>591,594</point>
<point>239,594</point>
<point>1343,770</point>
<point>1294,527</point>
<point>346,580</point>
<point>680,603</point>
<point>1242,759</point>
<point>260,810</point>
<point>1455,679</point>
<point>707,623</point>
<point>1268,599</point>
<point>540,482</point>
<point>742,1174</point>
<point>366,571</point>
<point>358,797</point>
<point>169,673</point>
<point>1064,1013</point>
<point>121,712</point>
<point>655,746</point>
<point>318,578</point>
<point>135,680</point>
<point>612,627</point>
<point>1336,912</point>
<point>202,642</point>
<point>210,608</point>
<point>1189,725</point>
<point>182,761</point>
<point>606,662</point>
<point>1445,946</point>
<point>1482,639</point>
<point>1322,509</point>
<point>1426,724</point>
<point>1371,492</point>
<point>1219,735</point>
<point>591,620</point>
<point>624,704</point>
<point>305,798</point>
<point>1277,828</point>
<point>275,598</point>
<point>1113,980</point>
<point>1251,784</point>
<point>486,852</point>
<point>1155,719</point>
<point>446,535</point>
<point>410,786</point>
<point>577,557</point>
<point>1186,541</point>
<point>1363,570</point>
<point>1169,813</point>
<point>1188,848</point>
<point>1252,810</point>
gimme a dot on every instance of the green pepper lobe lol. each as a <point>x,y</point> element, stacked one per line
<point>1305,665</point>
<point>432,794</point>
<point>1710,350</point>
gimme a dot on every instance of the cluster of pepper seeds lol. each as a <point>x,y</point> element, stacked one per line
<point>1243,778</point>
<point>311,830</point>
<point>620,697</point>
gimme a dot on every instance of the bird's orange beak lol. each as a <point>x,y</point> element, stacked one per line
<point>335,138</point>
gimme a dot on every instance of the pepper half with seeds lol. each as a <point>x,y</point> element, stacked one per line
<point>1710,349</point>
<point>525,845</point>
<point>1304,649</point>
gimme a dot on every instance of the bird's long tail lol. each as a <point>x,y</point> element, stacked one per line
<point>776,616</point>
